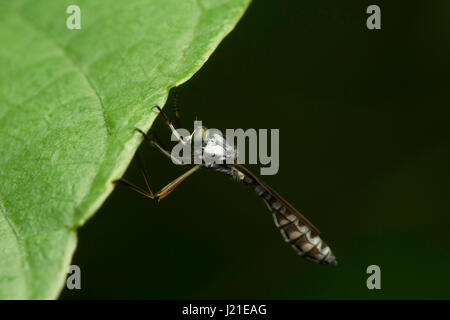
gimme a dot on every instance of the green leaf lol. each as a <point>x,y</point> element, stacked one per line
<point>69,103</point>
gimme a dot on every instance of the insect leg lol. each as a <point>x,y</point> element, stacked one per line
<point>170,125</point>
<point>177,117</point>
<point>134,188</point>
<point>164,192</point>
<point>149,193</point>
<point>176,111</point>
<point>144,172</point>
<point>154,141</point>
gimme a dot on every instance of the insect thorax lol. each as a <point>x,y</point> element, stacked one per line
<point>215,151</point>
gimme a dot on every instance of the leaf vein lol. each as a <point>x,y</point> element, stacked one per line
<point>72,61</point>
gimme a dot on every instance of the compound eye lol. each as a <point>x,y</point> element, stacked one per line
<point>197,136</point>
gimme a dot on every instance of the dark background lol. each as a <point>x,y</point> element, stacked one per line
<point>364,153</point>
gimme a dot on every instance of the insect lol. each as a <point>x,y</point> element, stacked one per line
<point>297,230</point>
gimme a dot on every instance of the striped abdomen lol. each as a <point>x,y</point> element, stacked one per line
<point>295,228</point>
<point>302,238</point>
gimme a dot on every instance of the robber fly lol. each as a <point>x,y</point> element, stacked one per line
<point>298,231</point>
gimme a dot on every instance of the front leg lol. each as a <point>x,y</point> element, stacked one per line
<point>154,141</point>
